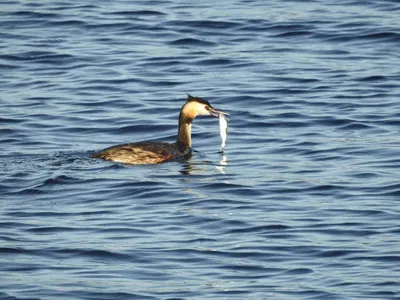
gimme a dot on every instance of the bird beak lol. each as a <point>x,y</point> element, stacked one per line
<point>215,112</point>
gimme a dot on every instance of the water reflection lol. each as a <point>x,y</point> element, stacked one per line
<point>187,169</point>
<point>223,163</point>
<point>190,167</point>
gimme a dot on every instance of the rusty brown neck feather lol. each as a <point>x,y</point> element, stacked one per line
<point>184,139</point>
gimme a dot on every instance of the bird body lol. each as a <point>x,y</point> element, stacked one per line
<point>152,152</point>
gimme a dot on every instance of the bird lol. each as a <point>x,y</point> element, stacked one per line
<point>155,152</point>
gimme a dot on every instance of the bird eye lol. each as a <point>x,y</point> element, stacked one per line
<point>207,107</point>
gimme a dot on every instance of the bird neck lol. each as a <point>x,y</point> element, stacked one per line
<point>184,139</point>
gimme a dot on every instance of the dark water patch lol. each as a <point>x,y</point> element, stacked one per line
<point>313,294</point>
<point>259,229</point>
<point>231,293</point>
<point>8,66</point>
<point>136,13</point>
<point>316,190</point>
<point>289,27</point>
<point>386,283</point>
<point>192,42</point>
<point>286,150</point>
<point>10,121</point>
<point>51,214</point>
<point>365,175</point>
<point>334,52</point>
<point>353,25</point>
<point>100,254</point>
<point>356,126</point>
<point>387,36</point>
<point>146,184</point>
<point>286,124</point>
<point>331,121</point>
<point>288,91</point>
<point>391,36</point>
<point>123,230</point>
<point>345,233</point>
<point>357,212</point>
<point>67,23</point>
<point>7,239</point>
<point>30,191</point>
<point>375,78</point>
<point>34,14</point>
<point>236,271</point>
<point>5,296</point>
<point>336,253</point>
<point>203,24</point>
<point>167,63</point>
<point>324,188</point>
<point>62,179</point>
<point>391,122</point>
<point>215,62</point>
<point>212,253</point>
<point>289,115</point>
<point>114,81</point>
<point>299,80</point>
<point>12,224</point>
<point>298,271</point>
<point>54,229</point>
<point>379,259</point>
<point>238,190</point>
<point>383,294</point>
<point>390,193</point>
<point>164,83</point>
<point>19,251</point>
<point>294,34</point>
<point>165,59</point>
<point>148,194</point>
<point>321,153</point>
<point>78,7</point>
<point>120,27</point>
<point>43,57</point>
<point>254,28</point>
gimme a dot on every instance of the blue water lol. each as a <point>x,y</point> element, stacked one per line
<point>304,202</point>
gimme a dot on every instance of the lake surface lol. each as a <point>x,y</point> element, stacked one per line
<point>303,204</point>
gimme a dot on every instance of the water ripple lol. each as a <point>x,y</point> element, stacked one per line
<point>302,204</point>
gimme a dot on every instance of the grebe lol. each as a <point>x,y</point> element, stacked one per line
<point>149,152</point>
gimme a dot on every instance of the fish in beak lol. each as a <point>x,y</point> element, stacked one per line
<point>215,112</point>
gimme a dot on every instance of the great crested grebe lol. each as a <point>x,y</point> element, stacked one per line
<point>149,152</point>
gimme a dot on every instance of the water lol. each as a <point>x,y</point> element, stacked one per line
<point>304,202</point>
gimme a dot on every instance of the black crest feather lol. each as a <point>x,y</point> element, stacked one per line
<point>197,99</point>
